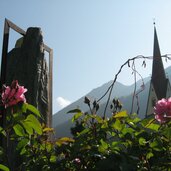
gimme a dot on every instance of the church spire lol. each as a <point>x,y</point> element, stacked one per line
<point>158,73</point>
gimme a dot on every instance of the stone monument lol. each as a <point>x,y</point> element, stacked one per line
<point>27,64</point>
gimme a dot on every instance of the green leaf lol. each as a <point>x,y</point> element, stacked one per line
<point>117,125</point>
<point>34,123</point>
<point>103,146</point>
<point>24,107</point>
<point>18,129</point>
<point>142,141</point>
<point>64,140</point>
<point>53,159</point>
<point>105,124</point>
<point>86,147</point>
<point>99,119</point>
<point>115,146</point>
<point>4,168</point>
<point>128,130</point>
<point>167,133</point>
<point>33,110</point>
<point>149,155</point>
<point>135,120</point>
<point>48,129</point>
<point>121,114</point>
<point>153,126</point>
<point>156,145</point>
<point>84,131</point>
<point>74,111</point>
<point>2,131</point>
<point>22,143</point>
<point>76,116</point>
<point>27,127</point>
<point>23,151</point>
<point>147,121</point>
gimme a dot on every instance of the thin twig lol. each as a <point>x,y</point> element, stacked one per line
<point>110,88</point>
<point>135,85</point>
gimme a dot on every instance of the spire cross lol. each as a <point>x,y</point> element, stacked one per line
<point>154,22</point>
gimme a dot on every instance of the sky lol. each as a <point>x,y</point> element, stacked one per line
<point>91,39</point>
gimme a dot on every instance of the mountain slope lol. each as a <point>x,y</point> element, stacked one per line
<point>62,121</point>
<point>63,129</point>
<point>118,91</point>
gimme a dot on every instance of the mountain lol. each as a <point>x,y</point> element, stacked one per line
<point>62,121</point>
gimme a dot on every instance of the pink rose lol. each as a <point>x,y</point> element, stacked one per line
<point>160,118</point>
<point>162,110</point>
<point>161,106</point>
<point>77,160</point>
<point>13,94</point>
<point>169,107</point>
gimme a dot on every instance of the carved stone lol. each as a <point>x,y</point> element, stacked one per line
<point>27,64</point>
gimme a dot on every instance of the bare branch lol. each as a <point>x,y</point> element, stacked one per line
<point>110,89</point>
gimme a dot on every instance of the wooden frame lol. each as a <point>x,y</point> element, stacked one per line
<point>7,26</point>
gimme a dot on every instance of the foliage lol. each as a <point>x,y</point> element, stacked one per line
<point>122,142</point>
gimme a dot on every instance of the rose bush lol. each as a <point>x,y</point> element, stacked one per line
<point>122,142</point>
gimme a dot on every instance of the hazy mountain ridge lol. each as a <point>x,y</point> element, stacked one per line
<point>118,91</point>
<point>63,129</point>
<point>62,121</point>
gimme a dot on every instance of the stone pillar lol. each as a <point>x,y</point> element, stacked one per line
<point>27,64</point>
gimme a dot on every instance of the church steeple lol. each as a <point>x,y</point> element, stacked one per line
<point>158,74</point>
<point>160,85</point>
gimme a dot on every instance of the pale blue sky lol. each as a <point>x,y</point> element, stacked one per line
<point>92,38</point>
